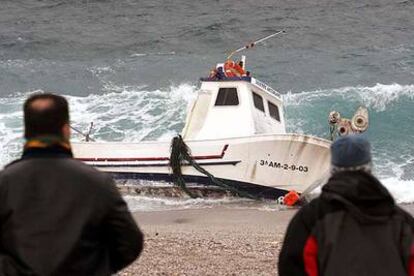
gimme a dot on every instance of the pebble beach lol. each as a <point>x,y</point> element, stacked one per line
<point>211,241</point>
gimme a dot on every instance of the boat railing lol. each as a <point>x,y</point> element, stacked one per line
<point>253,81</point>
<point>264,86</point>
<point>248,79</point>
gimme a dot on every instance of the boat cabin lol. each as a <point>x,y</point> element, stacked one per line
<point>234,107</point>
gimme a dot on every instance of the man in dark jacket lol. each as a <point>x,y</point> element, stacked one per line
<point>59,216</point>
<point>353,228</point>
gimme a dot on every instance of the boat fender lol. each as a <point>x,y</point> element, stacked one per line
<point>291,198</point>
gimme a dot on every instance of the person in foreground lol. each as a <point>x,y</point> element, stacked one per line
<point>59,216</point>
<point>354,227</point>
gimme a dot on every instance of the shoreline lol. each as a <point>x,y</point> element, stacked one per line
<point>213,241</point>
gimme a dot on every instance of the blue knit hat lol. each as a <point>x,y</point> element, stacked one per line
<point>350,151</point>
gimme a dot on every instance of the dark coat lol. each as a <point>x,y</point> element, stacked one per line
<point>59,216</point>
<point>353,228</point>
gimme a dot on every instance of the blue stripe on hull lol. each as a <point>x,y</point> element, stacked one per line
<point>254,189</point>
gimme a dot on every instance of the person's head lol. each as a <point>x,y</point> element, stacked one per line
<point>46,114</point>
<point>351,153</point>
<point>241,63</point>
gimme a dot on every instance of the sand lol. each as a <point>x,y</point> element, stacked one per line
<point>214,241</point>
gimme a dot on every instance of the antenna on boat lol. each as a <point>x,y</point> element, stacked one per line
<point>251,45</point>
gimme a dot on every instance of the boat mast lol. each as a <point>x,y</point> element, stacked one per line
<point>251,45</point>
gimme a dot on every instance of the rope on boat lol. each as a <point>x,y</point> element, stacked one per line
<point>332,132</point>
<point>180,152</point>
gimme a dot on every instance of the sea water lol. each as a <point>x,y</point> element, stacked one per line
<point>132,67</point>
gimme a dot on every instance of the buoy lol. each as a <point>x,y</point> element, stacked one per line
<point>291,198</point>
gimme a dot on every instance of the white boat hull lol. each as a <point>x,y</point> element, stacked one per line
<point>272,163</point>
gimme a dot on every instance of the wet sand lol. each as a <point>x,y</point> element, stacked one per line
<point>214,241</point>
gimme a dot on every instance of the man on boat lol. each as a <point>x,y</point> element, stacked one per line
<point>59,216</point>
<point>354,227</point>
<point>217,74</point>
<point>233,69</point>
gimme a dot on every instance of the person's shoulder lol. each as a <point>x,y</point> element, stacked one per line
<point>407,217</point>
<point>308,213</point>
<point>15,167</point>
<point>314,207</point>
<point>12,165</point>
<point>315,211</point>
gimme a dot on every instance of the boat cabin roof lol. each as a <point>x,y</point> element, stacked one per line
<point>251,80</point>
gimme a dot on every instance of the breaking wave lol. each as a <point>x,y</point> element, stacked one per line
<point>123,113</point>
<point>133,113</point>
<point>377,97</point>
<point>390,132</point>
<point>136,113</point>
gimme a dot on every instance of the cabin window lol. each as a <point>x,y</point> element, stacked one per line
<point>258,102</point>
<point>274,111</point>
<point>227,96</point>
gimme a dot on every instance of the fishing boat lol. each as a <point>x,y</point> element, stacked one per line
<point>234,137</point>
<point>236,131</point>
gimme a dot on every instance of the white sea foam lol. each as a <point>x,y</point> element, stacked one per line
<point>152,203</point>
<point>145,203</point>
<point>377,97</point>
<point>153,54</point>
<point>138,55</point>
<point>133,113</point>
<point>401,190</point>
<point>380,96</point>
